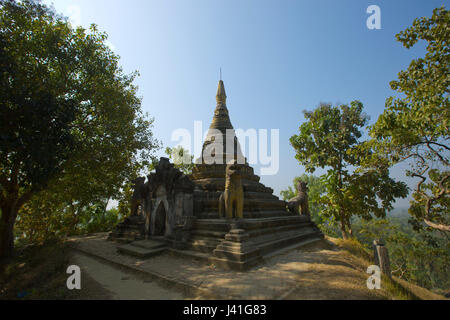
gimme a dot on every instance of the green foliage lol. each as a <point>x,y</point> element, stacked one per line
<point>41,220</point>
<point>330,139</point>
<point>415,126</point>
<point>124,207</point>
<point>327,135</point>
<point>36,111</point>
<point>316,188</point>
<point>181,158</point>
<point>290,192</point>
<point>415,257</point>
<point>68,102</point>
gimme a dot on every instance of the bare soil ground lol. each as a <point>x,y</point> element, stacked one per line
<point>319,271</point>
<point>101,281</point>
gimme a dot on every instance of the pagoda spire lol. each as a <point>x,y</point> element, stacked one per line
<point>221,96</point>
<point>221,123</point>
<point>221,119</point>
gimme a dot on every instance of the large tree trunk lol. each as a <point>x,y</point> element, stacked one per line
<point>10,208</point>
<point>8,218</point>
<point>343,227</point>
<point>349,227</point>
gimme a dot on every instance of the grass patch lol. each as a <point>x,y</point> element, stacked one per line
<point>393,288</point>
<point>37,273</point>
<point>355,247</point>
<point>396,290</point>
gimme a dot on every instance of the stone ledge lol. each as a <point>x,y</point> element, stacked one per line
<point>236,265</point>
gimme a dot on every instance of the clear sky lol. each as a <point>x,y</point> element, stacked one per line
<point>278,59</point>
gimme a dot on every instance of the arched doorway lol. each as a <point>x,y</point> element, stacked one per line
<point>160,220</point>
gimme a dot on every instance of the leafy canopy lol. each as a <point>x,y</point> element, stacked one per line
<point>72,131</point>
<point>330,139</point>
<point>415,125</point>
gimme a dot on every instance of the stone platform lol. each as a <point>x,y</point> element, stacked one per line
<point>241,244</point>
<point>219,242</point>
<point>143,248</point>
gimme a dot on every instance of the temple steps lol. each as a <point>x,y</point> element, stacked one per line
<point>266,231</point>
<point>266,214</point>
<point>200,256</point>
<point>203,245</point>
<point>150,244</point>
<point>143,249</point>
<point>248,195</point>
<point>276,245</point>
<point>279,220</point>
<point>295,245</point>
<point>249,205</point>
<point>223,225</point>
<point>208,233</point>
<point>229,256</point>
<point>211,224</point>
<point>264,235</point>
<point>247,214</point>
<point>268,243</point>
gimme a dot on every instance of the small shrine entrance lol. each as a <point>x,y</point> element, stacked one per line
<point>160,220</point>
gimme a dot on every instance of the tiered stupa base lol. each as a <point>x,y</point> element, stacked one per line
<point>267,226</point>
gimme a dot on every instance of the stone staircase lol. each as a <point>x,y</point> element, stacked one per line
<point>242,244</point>
<point>256,205</point>
<point>143,249</point>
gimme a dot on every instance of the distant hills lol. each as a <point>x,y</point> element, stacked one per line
<point>398,212</point>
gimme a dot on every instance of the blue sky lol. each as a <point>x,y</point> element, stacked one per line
<point>278,59</point>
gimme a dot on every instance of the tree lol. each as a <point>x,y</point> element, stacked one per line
<point>71,123</point>
<point>415,126</point>
<point>181,158</point>
<point>41,220</point>
<point>330,139</point>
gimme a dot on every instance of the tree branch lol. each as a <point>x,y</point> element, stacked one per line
<point>441,227</point>
<point>429,200</point>
<point>443,160</point>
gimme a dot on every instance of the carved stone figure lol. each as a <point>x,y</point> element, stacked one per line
<point>132,228</point>
<point>300,201</point>
<point>138,195</point>
<point>231,201</point>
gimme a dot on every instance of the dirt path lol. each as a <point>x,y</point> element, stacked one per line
<point>324,274</point>
<point>100,281</point>
<point>318,271</point>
